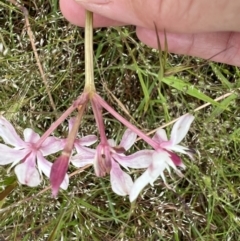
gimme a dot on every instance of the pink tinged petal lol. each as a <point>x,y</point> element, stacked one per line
<point>9,155</point>
<point>96,166</point>
<point>121,182</point>
<point>51,145</point>
<point>70,123</point>
<point>176,160</point>
<point>43,165</point>
<point>184,150</point>
<point>181,128</point>
<point>85,151</point>
<point>140,159</point>
<point>30,136</point>
<point>58,173</point>
<point>159,164</point>
<point>78,144</point>
<point>27,172</point>
<point>157,167</point>
<point>27,175</point>
<point>111,142</point>
<point>86,140</point>
<point>170,163</point>
<point>160,136</point>
<point>84,157</point>
<point>128,139</point>
<point>178,148</point>
<point>81,161</point>
<point>138,185</point>
<point>65,182</point>
<point>9,135</point>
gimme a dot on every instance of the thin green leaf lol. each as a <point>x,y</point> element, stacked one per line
<point>235,136</point>
<point>57,226</point>
<point>8,189</point>
<point>8,181</point>
<point>220,76</point>
<point>189,89</point>
<point>218,110</point>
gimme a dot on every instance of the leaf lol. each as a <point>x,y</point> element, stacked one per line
<point>189,89</point>
<point>220,76</point>
<point>57,227</point>
<point>6,192</point>
<point>217,111</point>
<point>235,136</point>
<point>144,87</point>
<point>8,181</point>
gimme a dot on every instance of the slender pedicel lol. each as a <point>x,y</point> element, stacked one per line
<point>89,75</point>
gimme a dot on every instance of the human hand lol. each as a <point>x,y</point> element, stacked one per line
<point>206,29</point>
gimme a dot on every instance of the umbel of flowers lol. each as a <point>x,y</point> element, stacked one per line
<point>28,155</point>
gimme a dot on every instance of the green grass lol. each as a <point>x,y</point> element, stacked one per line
<point>206,203</point>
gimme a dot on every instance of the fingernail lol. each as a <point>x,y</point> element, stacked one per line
<point>92,2</point>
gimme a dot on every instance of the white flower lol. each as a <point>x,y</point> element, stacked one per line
<point>31,159</point>
<point>107,157</point>
<point>163,157</point>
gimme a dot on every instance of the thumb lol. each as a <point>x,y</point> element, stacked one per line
<point>172,15</point>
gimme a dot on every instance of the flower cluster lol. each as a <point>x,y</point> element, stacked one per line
<point>108,157</point>
<point>28,155</point>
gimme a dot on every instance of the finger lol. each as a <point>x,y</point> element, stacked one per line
<point>75,14</point>
<point>172,15</point>
<point>220,47</point>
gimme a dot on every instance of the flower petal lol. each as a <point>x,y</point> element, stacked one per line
<point>179,148</point>
<point>138,185</point>
<point>156,168</point>
<point>71,123</point>
<point>169,162</point>
<point>51,145</point>
<point>176,160</point>
<point>27,172</point>
<point>85,151</point>
<point>65,182</point>
<point>86,140</point>
<point>30,136</point>
<point>140,159</point>
<point>43,165</point>
<point>97,162</point>
<point>128,139</point>
<point>111,142</point>
<point>159,164</point>
<point>81,161</point>
<point>181,128</point>
<point>9,155</point>
<point>9,135</point>
<point>160,136</point>
<point>84,157</point>
<point>121,182</point>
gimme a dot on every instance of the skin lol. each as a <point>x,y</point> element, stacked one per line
<point>206,28</point>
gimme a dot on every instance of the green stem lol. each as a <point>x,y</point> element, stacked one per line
<point>89,76</point>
